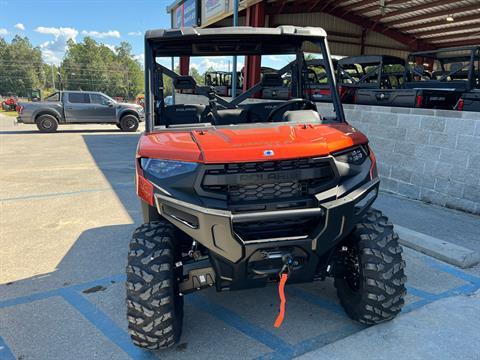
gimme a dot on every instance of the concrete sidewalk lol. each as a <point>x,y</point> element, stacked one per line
<point>445,329</point>
<point>456,227</point>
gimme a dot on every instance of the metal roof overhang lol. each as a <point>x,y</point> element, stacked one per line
<point>418,24</point>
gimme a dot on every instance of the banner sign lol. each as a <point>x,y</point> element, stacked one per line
<point>185,14</point>
<point>213,8</point>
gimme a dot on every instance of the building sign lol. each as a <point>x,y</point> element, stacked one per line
<point>185,14</point>
<point>190,13</point>
<point>213,8</point>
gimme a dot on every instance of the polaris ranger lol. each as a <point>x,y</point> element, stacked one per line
<point>241,193</point>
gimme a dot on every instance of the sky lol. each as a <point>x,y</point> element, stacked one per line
<point>49,24</point>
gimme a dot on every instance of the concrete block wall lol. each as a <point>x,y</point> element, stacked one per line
<point>423,154</point>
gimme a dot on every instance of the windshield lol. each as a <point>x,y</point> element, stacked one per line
<point>200,90</point>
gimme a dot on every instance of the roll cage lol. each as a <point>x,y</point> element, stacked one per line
<point>228,42</point>
<point>463,61</point>
<point>372,67</point>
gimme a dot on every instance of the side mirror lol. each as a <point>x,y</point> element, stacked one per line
<point>110,103</point>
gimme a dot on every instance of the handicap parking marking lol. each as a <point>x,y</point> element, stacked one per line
<point>5,353</point>
<point>438,265</point>
<point>105,324</point>
<point>234,320</point>
<point>281,349</point>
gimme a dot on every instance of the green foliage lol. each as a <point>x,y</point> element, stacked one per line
<point>21,66</point>
<point>87,66</point>
<point>91,66</point>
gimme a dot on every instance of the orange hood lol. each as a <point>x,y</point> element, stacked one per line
<point>224,145</point>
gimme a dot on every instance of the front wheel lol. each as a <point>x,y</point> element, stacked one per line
<point>154,304</point>
<point>129,123</point>
<point>370,277</point>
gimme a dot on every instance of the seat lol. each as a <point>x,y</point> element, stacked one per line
<point>185,114</point>
<point>231,116</point>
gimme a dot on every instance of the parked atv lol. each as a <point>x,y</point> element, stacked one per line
<point>239,194</point>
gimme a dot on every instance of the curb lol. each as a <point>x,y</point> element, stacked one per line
<point>439,249</point>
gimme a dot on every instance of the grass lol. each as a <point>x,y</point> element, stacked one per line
<point>9,113</point>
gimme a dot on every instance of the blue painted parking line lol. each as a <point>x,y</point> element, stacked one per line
<point>281,349</point>
<point>28,298</point>
<point>317,341</point>
<point>56,292</point>
<point>104,324</point>
<point>235,321</point>
<point>451,270</point>
<point>316,300</point>
<point>5,353</point>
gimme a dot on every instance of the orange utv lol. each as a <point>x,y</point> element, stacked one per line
<point>241,192</point>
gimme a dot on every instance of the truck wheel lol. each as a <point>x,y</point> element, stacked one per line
<point>129,123</point>
<point>47,123</point>
<point>154,304</point>
<point>370,280</point>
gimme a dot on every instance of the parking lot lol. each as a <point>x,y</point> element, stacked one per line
<point>68,208</point>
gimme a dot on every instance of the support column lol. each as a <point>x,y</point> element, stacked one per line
<point>184,65</point>
<point>255,17</point>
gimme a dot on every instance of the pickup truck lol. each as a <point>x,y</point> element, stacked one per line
<point>79,107</point>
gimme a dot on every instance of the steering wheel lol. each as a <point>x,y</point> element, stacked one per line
<point>295,104</point>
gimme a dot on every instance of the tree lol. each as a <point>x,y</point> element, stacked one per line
<point>95,67</point>
<point>21,66</point>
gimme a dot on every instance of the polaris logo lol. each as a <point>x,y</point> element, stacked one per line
<point>269,178</point>
<point>268,153</point>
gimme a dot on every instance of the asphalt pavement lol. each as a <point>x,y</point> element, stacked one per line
<point>67,210</point>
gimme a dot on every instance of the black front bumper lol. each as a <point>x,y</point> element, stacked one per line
<point>238,262</point>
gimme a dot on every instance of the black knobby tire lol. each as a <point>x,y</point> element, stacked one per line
<point>371,284</point>
<point>47,123</point>
<point>154,306</point>
<point>129,123</point>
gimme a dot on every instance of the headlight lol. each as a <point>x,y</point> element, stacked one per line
<point>356,156</point>
<point>162,169</point>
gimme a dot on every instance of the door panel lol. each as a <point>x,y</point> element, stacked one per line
<point>77,108</point>
<point>103,110</point>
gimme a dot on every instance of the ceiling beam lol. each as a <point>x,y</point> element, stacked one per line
<point>359,4</point>
<point>376,6</point>
<point>411,9</point>
<point>419,27</point>
<point>434,14</point>
<point>473,41</point>
<point>459,30</point>
<point>409,41</point>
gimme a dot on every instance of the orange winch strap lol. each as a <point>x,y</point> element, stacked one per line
<point>283,300</point>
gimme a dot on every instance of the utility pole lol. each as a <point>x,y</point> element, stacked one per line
<point>53,76</point>
<point>234,67</point>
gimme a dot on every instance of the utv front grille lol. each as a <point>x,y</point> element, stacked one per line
<point>255,192</point>
<point>269,185</point>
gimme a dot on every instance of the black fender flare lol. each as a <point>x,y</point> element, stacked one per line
<point>60,118</point>
<point>124,112</point>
